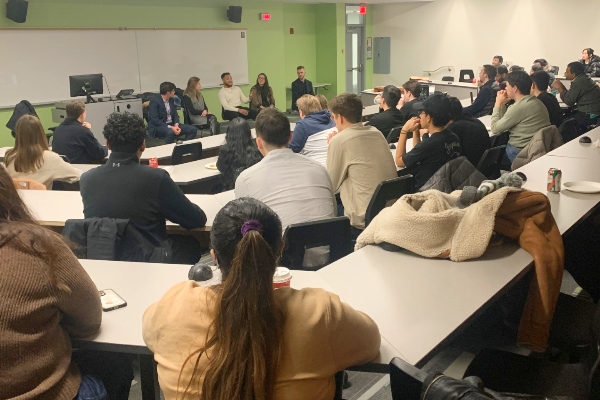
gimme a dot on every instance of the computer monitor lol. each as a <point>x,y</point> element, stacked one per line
<point>86,85</point>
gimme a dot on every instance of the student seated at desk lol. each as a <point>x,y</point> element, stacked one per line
<point>122,188</point>
<point>74,139</point>
<point>472,133</point>
<point>410,97</point>
<point>238,153</point>
<point>313,119</point>
<point>497,61</point>
<point>195,106</point>
<point>47,299</point>
<point>322,100</point>
<point>241,339</point>
<point>583,93</point>
<point>261,94</point>
<point>484,103</point>
<point>522,119</point>
<point>358,159</point>
<point>590,62</point>
<point>300,87</point>
<point>539,89</point>
<point>163,120</point>
<point>232,98</point>
<point>297,188</point>
<point>429,155</point>
<point>391,117</point>
<point>32,159</point>
<point>501,74</point>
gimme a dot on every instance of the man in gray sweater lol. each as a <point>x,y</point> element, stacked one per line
<point>584,93</point>
<point>522,119</point>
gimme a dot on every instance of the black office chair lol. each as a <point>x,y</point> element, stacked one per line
<point>388,191</point>
<point>194,150</point>
<point>201,127</point>
<point>394,135</point>
<point>466,75</point>
<point>514,373</point>
<point>489,165</point>
<point>448,78</point>
<point>332,232</point>
<point>570,130</point>
<point>64,158</point>
<point>406,381</point>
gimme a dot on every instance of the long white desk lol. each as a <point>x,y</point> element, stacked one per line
<point>182,174</point>
<point>370,110</point>
<point>53,208</point>
<point>574,149</point>
<point>121,329</point>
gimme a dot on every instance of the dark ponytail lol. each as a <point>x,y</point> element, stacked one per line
<point>245,336</point>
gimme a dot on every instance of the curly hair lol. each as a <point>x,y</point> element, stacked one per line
<point>238,153</point>
<point>124,132</point>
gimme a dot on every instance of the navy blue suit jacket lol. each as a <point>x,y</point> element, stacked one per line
<point>157,113</point>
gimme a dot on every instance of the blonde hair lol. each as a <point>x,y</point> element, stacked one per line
<point>322,100</point>
<point>30,144</point>
<point>308,104</point>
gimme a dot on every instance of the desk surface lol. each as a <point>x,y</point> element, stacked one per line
<point>568,208</point>
<point>370,110</point>
<point>419,302</point>
<point>142,284</point>
<point>182,174</point>
<point>575,149</point>
<point>53,208</point>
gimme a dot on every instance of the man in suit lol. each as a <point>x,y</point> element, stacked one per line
<point>74,139</point>
<point>163,120</point>
<point>300,87</point>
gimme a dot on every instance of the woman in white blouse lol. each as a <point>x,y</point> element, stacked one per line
<point>32,159</point>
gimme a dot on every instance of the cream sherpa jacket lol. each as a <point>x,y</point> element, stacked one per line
<point>430,224</point>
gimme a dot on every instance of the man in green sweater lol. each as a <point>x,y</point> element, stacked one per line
<point>584,93</point>
<point>523,118</point>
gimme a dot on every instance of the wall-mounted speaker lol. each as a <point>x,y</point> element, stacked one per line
<point>16,10</point>
<point>234,14</point>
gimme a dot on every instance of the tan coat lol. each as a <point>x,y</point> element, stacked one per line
<point>321,335</point>
<point>256,99</point>
<point>542,142</point>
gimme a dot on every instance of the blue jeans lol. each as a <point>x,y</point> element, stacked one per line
<point>91,388</point>
<point>511,152</point>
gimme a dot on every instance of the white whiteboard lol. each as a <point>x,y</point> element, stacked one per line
<point>36,64</point>
<point>176,55</point>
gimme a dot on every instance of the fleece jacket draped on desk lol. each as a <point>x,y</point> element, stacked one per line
<point>430,224</point>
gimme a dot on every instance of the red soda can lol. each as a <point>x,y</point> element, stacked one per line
<point>153,161</point>
<point>554,180</point>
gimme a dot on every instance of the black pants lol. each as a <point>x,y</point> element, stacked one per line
<point>585,120</point>
<point>185,249</point>
<point>113,369</point>
<point>230,115</point>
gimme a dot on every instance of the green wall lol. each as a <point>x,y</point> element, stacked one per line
<point>317,43</point>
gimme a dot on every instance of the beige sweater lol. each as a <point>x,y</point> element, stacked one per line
<point>41,306</point>
<point>358,159</point>
<point>53,168</point>
<point>321,335</point>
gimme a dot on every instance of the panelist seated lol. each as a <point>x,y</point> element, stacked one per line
<point>163,120</point>
<point>232,98</point>
<point>74,139</point>
<point>32,159</point>
<point>124,189</point>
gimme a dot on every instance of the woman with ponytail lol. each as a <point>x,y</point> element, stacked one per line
<point>243,340</point>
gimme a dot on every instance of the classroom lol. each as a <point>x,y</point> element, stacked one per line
<point>299,199</point>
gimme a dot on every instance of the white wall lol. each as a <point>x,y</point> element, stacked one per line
<point>468,33</point>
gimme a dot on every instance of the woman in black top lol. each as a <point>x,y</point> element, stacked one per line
<point>261,94</point>
<point>195,107</point>
<point>238,153</point>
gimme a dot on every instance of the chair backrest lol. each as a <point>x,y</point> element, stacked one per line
<point>194,150</point>
<point>64,158</point>
<point>448,78</point>
<point>388,191</point>
<point>406,381</point>
<point>394,134</point>
<point>570,130</point>
<point>315,147</point>
<point>466,75</point>
<point>489,165</point>
<point>332,232</point>
<point>28,184</point>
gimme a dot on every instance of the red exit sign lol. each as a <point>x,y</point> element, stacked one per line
<point>362,10</point>
<point>265,17</point>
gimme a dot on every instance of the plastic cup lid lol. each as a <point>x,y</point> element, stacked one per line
<point>282,274</point>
